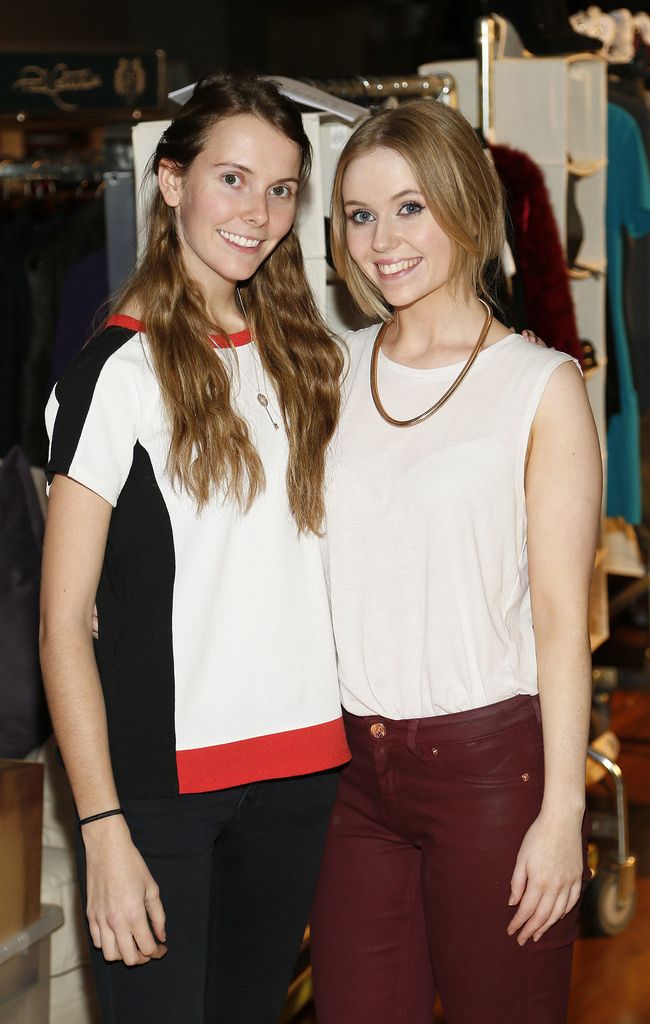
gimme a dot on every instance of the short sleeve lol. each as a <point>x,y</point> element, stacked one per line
<point>93,414</point>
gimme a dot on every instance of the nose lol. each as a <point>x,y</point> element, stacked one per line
<point>257,213</point>
<point>384,236</point>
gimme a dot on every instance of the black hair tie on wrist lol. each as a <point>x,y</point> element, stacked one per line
<point>96,817</point>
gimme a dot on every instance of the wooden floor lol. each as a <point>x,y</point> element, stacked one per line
<point>611,976</point>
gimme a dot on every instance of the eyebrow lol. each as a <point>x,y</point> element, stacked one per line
<point>398,195</point>
<point>247,170</point>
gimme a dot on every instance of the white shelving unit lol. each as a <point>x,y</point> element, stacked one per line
<point>328,135</point>
<point>554,109</point>
<point>25,970</point>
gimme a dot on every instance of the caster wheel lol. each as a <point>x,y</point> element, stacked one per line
<point>602,911</point>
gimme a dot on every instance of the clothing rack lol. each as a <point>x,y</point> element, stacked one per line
<point>361,87</point>
<point>119,214</point>
<point>67,172</point>
<point>486,42</point>
<point>119,207</point>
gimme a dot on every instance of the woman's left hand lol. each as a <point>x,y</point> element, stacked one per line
<point>547,879</point>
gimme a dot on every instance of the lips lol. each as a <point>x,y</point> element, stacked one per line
<point>240,242</point>
<point>398,268</point>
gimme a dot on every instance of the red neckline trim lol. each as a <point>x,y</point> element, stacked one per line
<point>218,340</point>
<point>237,339</point>
<point>119,320</point>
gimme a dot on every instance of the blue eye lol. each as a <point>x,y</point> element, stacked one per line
<point>411,208</point>
<point>231,178</point>
<point>360,216</point>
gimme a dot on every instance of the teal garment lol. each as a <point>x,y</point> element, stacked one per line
<point>628,210</point>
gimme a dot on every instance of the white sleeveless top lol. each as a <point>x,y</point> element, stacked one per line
<point>426,533</point>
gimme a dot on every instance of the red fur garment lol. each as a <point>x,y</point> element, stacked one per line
<point>538,251</point>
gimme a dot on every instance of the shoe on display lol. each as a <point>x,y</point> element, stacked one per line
<point>596,24</point>
<point>623,49</point>
<point>642,22</point>
<point>544,27</point>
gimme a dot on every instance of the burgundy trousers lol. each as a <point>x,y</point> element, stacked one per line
<point>414,886</point>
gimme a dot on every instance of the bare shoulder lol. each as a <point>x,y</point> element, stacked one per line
<point>564,400</point>
<point>497,332</point>
<point>564,441</point>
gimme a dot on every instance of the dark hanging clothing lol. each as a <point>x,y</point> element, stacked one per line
<point>84,293</point>
<point>24,721</point>
<point>83,232</point>
<point>538,251</point>
<point>21,232</point>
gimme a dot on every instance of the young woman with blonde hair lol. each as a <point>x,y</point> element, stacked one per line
<point>462,517</point>
<point>187,460</point>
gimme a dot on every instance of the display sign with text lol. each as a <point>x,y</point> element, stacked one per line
<point>41,83</point>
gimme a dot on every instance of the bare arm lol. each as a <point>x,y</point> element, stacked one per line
<point>121,892</point>
<point>563,500</point>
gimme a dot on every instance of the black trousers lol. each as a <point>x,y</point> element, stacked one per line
<point>236,870</point>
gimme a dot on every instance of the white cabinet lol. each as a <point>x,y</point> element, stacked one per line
<point>328,136</point>
<point>554,109</point>
<point>25,970</point>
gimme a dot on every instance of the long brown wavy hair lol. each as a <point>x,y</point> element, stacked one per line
<point>211,447</point>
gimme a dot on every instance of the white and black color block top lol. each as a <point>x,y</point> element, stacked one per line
<point>215,648</point>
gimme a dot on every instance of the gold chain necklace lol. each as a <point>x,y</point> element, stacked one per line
<point>448,393</point>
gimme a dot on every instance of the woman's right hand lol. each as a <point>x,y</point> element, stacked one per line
<point>125,914</point>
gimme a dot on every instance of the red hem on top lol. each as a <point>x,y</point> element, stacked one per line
<point>218,340</point>
<point>281,755</point>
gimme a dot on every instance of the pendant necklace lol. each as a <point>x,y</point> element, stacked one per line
<point>261,391</point>
<point>448,393</point>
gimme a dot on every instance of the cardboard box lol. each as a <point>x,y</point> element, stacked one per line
<point>21,822</point>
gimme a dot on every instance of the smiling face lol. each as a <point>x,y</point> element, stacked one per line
<point>235,202</point>
<point>390,233</point>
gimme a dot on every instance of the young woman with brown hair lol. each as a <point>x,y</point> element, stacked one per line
<point>187,461</point>
<point>462,518</point>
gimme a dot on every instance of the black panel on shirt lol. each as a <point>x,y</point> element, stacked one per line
<point>134,598</point>
<point>75,391</point>
<point>134,650</point>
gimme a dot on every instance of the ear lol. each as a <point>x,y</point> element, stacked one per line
<point>170,182</point>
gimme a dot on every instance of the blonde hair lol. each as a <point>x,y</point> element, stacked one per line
<point>460,185</point>
<point>211,447</point>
